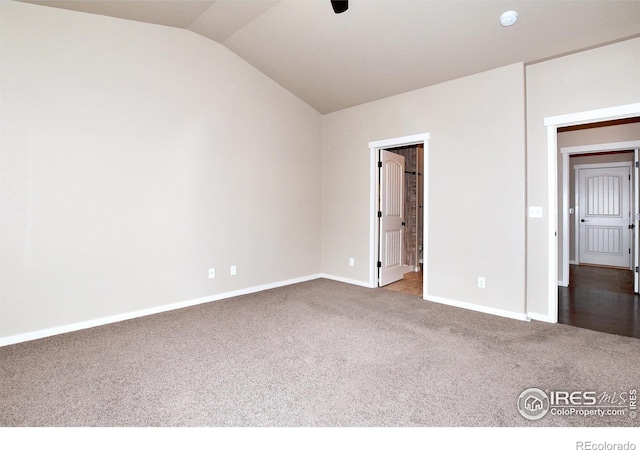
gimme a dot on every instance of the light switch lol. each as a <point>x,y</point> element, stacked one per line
<point>535,212</point>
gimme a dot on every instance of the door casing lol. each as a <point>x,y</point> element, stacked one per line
<point>566,152</point>
<point>374,187</point>
<point>552,124</point>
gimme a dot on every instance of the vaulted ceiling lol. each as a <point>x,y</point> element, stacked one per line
<point>379,48</point>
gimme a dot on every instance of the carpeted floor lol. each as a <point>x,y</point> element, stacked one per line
<point>319,353</point>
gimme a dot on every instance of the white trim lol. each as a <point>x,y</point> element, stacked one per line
<point>595,115</point>
<point>425,213</point>
<point>409,268</point>
<point>552,124</point>
<point>17,338</point>
<point>604,165</point>
<point>478,308</point>
<point>541,318</point>
<point>636,212</point>
<point>373,222</point>
<point>574,262</point>
<point>400,141</point>
<point>374,146</point>
<point>552,220</point>
<point>346,280</point>
<point>600,148</point>
<point>576,225</point>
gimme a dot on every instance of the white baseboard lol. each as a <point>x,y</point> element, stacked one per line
<point>573,261</point>
<point>15,339</point>
<point>541,317</point>
<point>345,280</point>
<point>478,308</point>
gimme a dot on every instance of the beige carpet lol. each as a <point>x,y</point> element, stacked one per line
<point>319,353</point>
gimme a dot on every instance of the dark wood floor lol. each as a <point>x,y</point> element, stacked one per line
<point>600,299</point>
<point>597,298</point>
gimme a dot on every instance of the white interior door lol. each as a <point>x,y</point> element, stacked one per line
<point>605,216</point>
<point>392,220</point>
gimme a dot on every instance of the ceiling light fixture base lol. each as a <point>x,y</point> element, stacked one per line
<point>508,18</point>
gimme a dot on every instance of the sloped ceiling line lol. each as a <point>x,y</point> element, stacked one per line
<point>380,48</point>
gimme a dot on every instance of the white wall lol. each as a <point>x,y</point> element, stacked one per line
<point>475,185</point>
<point>133,158</point>
<point>599,78</point>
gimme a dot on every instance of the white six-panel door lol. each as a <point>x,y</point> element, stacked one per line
<point>604,216</point>
<point>391,217</point>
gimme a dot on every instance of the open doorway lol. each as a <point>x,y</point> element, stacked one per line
<point>598,212</point>
<point>414,256</point>
<point>411,258</point>
<point>554,245</point>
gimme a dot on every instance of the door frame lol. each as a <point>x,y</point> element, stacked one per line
<point>374,191</point>
<point>552,124</point>
<point>566,167</point>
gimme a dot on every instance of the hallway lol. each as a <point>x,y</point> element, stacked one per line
<point>600,299</point>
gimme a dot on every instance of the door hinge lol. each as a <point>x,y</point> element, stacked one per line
<point>379,163</point>
<point>379,214</point>
<point>637,164</point>
<point>379,264</point>
<point>637,269</point>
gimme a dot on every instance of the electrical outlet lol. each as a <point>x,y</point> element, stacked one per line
<point>481,282</point>
<point>535,212</point>
<point>352,262</point>
<point>212,272</point>
<point>233,270</point>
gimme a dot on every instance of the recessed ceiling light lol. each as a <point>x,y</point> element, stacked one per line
<point>508,18</point>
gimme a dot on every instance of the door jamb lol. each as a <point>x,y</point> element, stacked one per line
<point>374,187</point>
<point>552,124</point>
